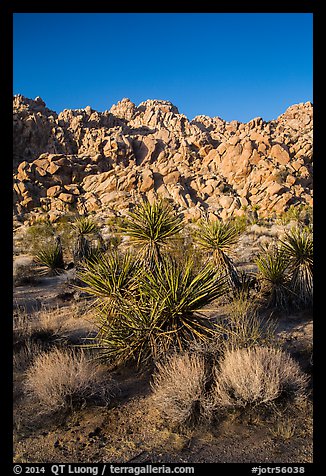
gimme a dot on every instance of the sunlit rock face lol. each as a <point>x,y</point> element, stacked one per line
<point>87,161</point>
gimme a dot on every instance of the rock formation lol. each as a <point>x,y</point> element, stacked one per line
<point>86,161</point>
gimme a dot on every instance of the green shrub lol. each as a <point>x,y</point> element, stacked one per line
<point>242,327</point>
<point>37,236</point>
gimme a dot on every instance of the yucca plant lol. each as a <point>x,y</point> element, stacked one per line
<point>183,294</point>
<point>84,249</point>
<point>150,228</point>
<point>298,250</point>
<point>85,226</point>
<point>272,273</point>
<point>109,278</point>
<point>136,335</point>
<point>50,256</point>
<point>165,314</point>
<point>218,238</point>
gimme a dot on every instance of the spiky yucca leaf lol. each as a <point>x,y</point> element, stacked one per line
<point>218,239</point>
<point>298,250</point>
<point>183,291</point>
<point>182,295</point>
<point>165,314</point>
<point>150,227</point>
<point>85,226</point>
<point>109,277</point>
<point>51,258</point>
<point>272,266</point>
<point>136,336</point>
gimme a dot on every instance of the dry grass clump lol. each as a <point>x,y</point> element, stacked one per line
<point>255,376</point>
<point>50,326</point>
<point>65,379</point>
<point>46,325</point>
<point>179,386</point>
<point>243,327</point>
<point>25,355</point>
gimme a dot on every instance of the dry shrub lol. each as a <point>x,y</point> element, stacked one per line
<point>46,325</point>
<point>50,326</point>
<point>65,380</point>
<point>243,327</point>
<point>22,325</point>
<point>255,376</point>
<point>23,357</point>
<point>179,385</point>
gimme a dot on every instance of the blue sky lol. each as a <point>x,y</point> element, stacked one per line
<point>232,65</point>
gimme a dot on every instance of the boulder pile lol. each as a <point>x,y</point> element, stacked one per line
<point>87,161</point>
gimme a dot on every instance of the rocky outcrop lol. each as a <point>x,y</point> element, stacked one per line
<point>88,161</point>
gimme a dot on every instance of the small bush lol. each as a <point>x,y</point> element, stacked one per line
<point>49,327</point>
<point>255,376</point>
<point>63,380</point>
<point>37,236</point>
<point>178,387</point>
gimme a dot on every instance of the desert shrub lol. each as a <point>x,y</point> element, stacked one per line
<point>37,236</point>
<point>65,379</point>
<point>178,388</point>
<point>255,376</point>
<point>297,247</point>
<point>240,222</point>
<point>22,325</point>
<point>63,228</point>
<point>301,214</point>
<point>217,238</point>
<point>183,248</point>
<point>48,327</point>
<point>25,355</point>
<point>50,257</point>
<point>151,226</point>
